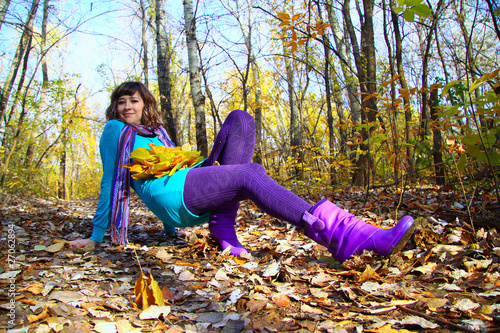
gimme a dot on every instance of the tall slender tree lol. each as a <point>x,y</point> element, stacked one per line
<point>4,6</point>
<point>194,77</point>
<point>144,38</point>
<point>164,58</point>
<point>20,51</point>
<point>45,83</point>
<point>366,62</point>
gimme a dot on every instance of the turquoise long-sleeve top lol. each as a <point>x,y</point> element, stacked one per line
<point>163,196</point>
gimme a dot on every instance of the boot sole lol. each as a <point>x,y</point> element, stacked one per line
<point>406,237</point>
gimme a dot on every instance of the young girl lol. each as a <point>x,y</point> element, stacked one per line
<point>211,193</point>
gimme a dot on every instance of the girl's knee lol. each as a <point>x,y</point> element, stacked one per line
<point>240,114</point>
<point>256,168</point>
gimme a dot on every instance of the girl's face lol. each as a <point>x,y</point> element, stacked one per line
<point>130,108</point>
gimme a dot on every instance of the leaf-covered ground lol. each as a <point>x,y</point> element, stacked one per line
<point>446,279</point>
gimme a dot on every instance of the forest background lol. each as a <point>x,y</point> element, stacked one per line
<point>344,92</point>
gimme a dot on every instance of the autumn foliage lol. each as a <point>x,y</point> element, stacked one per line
<point>159,161</point>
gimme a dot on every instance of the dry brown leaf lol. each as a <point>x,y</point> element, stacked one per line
<point>124,326</point>
<point>369,274</point>
<point>34,289</point>
<point>28,301</point>
<point>387,329</point>
<point>167,293</point>
<point>281,300</point>
<point>40,316</point>
<point>56,247</point>
<point>255,305</point>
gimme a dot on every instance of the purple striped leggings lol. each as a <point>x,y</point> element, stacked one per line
<point>212,188</point>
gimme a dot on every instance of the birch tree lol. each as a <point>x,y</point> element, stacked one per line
<point>4,6</point>
<point>45,82</point>
<point>194,78</point>
<point>163,59</point>
<point>21,49</point>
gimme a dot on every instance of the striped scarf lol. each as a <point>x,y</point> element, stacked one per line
<point>121,184</point>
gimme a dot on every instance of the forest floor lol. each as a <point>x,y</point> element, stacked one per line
<point>446,279</point>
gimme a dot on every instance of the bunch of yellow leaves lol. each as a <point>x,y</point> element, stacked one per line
<point>147,292</point>
<point>159,161</point>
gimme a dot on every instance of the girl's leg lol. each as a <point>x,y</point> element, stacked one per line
<point>342,233</point>
<point>235,141</point>
<point>208,188</point>
<point>220,188</point>
<point>234,144</point>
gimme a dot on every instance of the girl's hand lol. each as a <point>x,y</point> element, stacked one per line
<point>82,242</point>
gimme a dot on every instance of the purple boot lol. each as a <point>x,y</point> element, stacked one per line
<point>221,226</point>
<point>345,235</point>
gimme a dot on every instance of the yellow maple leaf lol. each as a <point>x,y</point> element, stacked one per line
<point>159,161</point>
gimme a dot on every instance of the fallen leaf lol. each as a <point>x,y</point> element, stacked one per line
<point>188,264</point>
<point>157,293</point>
<point>167,293</point>
<point>124,326</point>
<point>255,305</point>
<point>387,329</point>
<point>281,300</point>
<point>272,269</point>
<point>476,265</point>
<point>66,296</point>
<point>234,296</point>
<point>368,274</point>
<point>105,327</point>
<point>418,321</point>
<point>35,289</point>
<point>39,247</point>
<point>221,275</point>
<point>40,316</point>
<point>466,304</point>
<point>309,309</point>
<point>55,247</point>
<point>187,276</point>
<point>143,295</point>
<point>9,275</point>
<point>240,260</point>
<point>154,312</point>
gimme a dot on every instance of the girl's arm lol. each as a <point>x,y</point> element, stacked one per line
<point>108,147</point>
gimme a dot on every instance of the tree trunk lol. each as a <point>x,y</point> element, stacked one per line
<point>392,111</point>
<point>61,188</point>
<point>404,85</point>
<point>425,74</point>
<point>295,135</point>
<point>350,79</point>
<point>494,17</point>
<point>365,60</point>
<point>194,78</point>
<point>329,112</point>
<point>437,139</point>
<point>163,61</point>
<point>145,61</point>
<point>18,96</point>
<point>4,5</point>
<point>257,112</point>
<point>45,85</point>
<point>21,49</point>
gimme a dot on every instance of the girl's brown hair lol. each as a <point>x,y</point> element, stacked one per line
<point>151,116</point>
